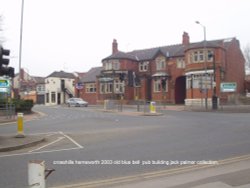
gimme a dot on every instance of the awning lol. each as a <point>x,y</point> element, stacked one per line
<point>160,74</point>
<point>200,72</point>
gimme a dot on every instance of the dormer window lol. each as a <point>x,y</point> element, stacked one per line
<point>160,63</point>
<point>111,64</point>
<point>143,66</point>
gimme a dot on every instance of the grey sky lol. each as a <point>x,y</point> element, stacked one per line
<point>75,35</point>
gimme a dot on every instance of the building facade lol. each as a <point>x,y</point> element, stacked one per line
<point>86,88</point>
<point>186,73</point>
<point>59,86</point>
<point>29,87</point>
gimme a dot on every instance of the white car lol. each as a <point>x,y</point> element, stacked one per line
<point>77,102</point>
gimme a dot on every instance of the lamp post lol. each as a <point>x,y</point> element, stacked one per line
<point>20,47</point>
<point>205,62</point>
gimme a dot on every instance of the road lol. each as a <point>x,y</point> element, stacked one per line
<point>85,144</point>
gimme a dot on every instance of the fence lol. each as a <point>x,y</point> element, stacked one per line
<point>137,106</point>
<point>7,111</point>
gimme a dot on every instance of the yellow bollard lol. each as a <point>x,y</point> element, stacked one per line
<point>152,107</point>
<point>20,133</point>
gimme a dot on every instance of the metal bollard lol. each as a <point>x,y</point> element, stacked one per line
<point>20,133</point>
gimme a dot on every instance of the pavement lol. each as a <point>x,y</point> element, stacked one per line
<point>11,142</point>
<point>16,142</point>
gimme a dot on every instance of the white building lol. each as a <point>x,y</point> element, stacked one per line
<point>59,86</point>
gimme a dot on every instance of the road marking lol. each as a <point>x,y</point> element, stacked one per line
<point>71,139</point>
<point>38,152</point>
<point>47,133</point>
<point>151,175</point>
<point>37,149</point>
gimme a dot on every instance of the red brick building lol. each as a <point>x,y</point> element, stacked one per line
<point>177,74</point>
<point>87,84</point>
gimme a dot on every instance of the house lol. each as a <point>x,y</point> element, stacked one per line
<point>86,87</point>
<point>29,87</point>
<point>59,86</point>
<point>186,73</point>
<point>40,89</point>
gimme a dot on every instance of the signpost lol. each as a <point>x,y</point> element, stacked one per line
<point>4,85</point>
<point>79,86</point>
<point>228,86</point>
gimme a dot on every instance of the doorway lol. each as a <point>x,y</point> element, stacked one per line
<point>58,98</point>
<point>180,90</point>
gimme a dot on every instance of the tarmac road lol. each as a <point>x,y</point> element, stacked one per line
<point>90,145</point>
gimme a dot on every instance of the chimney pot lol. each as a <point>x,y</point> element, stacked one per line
<point>114,46</point>
<point>185,38</point>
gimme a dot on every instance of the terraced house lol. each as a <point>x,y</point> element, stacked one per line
<point>186,73</point>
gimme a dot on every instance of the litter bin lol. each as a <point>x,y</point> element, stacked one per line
<point>214,102</point>
<point>152,107</point>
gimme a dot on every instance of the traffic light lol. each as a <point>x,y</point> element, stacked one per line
<point>4,62</point>
<point>8,71</point>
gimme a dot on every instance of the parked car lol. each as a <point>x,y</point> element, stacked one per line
<point>78,102</point>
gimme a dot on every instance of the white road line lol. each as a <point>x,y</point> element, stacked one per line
<point>47,133</point>
<point>71,139</point>
<point>39,152</point>
<point>37,149</point>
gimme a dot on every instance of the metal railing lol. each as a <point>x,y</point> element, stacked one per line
<point>7,111</point>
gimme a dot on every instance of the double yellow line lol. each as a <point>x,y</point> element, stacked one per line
<point>156,174</point>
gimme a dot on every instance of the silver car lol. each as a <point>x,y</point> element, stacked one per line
<point>77,102</point>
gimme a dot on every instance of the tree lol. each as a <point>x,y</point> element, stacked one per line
<point>247,55</point>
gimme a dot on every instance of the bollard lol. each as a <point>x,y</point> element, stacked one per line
<point>20,133</point>
<point>105,104</point>
<point>36,174</point>
<point>152,107</point>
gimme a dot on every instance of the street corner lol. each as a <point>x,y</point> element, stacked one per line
<point>33,115</point>
<point>26,117</point>
<point>14,142</point>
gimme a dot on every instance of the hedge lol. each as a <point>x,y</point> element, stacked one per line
<point>24,106</point>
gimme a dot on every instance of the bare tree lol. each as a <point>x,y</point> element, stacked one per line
<point>247,55</point>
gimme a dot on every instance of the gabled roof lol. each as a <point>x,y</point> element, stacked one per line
<point>90,76</point>
<point>39,80</point>
<point>121,55</point>
<point>177,50</point>
<point>62,74</point>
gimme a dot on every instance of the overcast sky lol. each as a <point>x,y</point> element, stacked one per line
<point>75,35</point>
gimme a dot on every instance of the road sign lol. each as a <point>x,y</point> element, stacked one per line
<point>4,83</point>
<point>4,90</point>
<point>228,86</point>
<point>79,86</point>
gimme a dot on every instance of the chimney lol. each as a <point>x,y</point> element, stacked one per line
<point>114,47</point>
<point>185,38</point>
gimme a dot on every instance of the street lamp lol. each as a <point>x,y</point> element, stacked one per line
<point>205,62</point>
<point>20,47</point>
